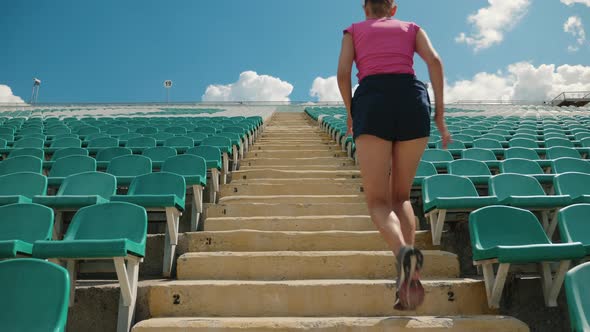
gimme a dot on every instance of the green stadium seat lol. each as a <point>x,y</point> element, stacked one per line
<point>111,231</point>
<point>21,187</point>
<point>194,170</point>
<point>558,142</point>
<point>159,154</point>
<point>21,164</point>
<point>139,144</point>
<point>197,137</point>
<point>212,156</point>
<point>525,192</point>
<point>33,288</point>
<point>484,155</point>
<point>66,152</point>
<point>6,131</point>
<point>466,139</point>
<point>33,152</point>
<point>573,184</point>
<point>523,143</point>
<point>147,130</point>
<point>439,158</point>
<point>206,129</point>
<point>87,130</point>
<point>507,235</point>
<point>565,164</point>
<point>117,131</point>
<point>577,286</point>
<point>574,225</point>
<point>223,144</point>
<point>476,171</point>
<point>490,144</point>
<point>561,152</point>
<point>526,167</point>
<point>425,169</point>
<point>67,166</point>
<point>180,143</point>
<point>521,153</point>
<point>495,137</point>
<point>29,142</point>
<point>125,137</point>
<point>21,225</point>
<point>446,193</point>
<point>126,168</point>
<point>66,143</point>
<point>176,130</point>
<point>165,192</point>
<point>100,143</point>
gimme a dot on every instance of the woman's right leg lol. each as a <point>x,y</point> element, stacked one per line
<point>374,156</point>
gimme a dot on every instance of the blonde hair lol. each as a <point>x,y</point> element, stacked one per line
<point>380,8</point>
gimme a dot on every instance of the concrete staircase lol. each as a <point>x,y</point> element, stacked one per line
<point>290,247</point>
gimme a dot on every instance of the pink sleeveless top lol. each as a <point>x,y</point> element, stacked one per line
<point>384,46</point>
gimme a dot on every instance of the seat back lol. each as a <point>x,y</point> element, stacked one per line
<point>573,184</point>
<point>454,145</point>
<point>447,185</point>
<point>463,138</point>
<point>21,164</point>
<point>561,152</point>
<point>67,143</point>
<point>114,220</point>
<point>67,166</point>
<point>478,154</point>
<point>147,130</point>
<point>520,166</point>
<point>29,142</point>
<point>467,167</point>
<point>434,155</point>
<point>176,130</point>
<point>159,153</point>
<point>488,228</point>
<point>66,152</point>
<point>35,295</point>
<point>26,184</point>
<point>487,143</point>
<point>141,142</point>
<point>109,153</point>
<point>426,168</point>
<point>87,130</point>
<point>505,185</point>
<point>34,152</point>
<point>522,143</point>
<point>522,153</point>
<point>130,165</point>
<point>160,183</point>
<point>117,131</point>
<point>563,165</point>
<point>186,165</point>
<point>577,288</point>
<point>574,225</point>
<point>206,129</point>
<point>223,143</point>
<point>27,222</point>
<point>180,141</point>
<point>103,142</point>
<point>554,142</point>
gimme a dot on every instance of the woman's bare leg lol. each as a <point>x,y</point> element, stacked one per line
<point>374,156</point>
<point>405,157</point>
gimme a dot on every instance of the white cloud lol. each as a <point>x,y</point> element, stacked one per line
<point>250,87</point>
<point>326,89</point>
<point>575,27</point>
<point>6,96</point>
<point>492,22</point>
<point>572,2</point>
<point>521,81</point>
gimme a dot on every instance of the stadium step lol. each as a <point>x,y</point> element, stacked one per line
<point>296,265</point>
<point>317,161</point>
<point>290,189</point>
<point>285,209</point>
<point>310,298</point>
<point>295,153</point>
<point>252,240</point>
<point>286,199</point>
<point>292,174</point>
<point>301,223</point>
<point>331,324</point>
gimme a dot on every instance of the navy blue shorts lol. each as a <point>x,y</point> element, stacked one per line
<point>394,107</point>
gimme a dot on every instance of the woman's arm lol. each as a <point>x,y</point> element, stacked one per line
<point>344,72</point>
<point>427,52</point>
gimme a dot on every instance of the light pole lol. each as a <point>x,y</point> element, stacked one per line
<point>167,85</point>
<point>36,87</point>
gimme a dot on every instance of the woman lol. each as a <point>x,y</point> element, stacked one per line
<point>389,118</point>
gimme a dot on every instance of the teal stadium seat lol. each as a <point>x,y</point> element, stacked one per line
<point>561,152</point>
<point>33,288</point>
<point>574,225</point>
<point>126,168</point>
<point>573,184</point>
<point>161,192</point>
<point>21,187</point>
<point>526,167</point>
<point>476,171</point>
<point>111,231</point>
<point>21,164</point>
<point>577,286</point>
<point>29,142</point>
<point>446,193</point>
<point>507,235</point>
<point>34,152</point>
<point>565,164</point>
<point>159,154</point>
<point>425,169</point>
<point>67,166</point>
<point>66,152</point>
<point>21,225</point>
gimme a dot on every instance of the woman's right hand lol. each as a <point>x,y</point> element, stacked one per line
<point>445,135</point>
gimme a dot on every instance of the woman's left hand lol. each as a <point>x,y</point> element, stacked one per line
<point>349,125</point>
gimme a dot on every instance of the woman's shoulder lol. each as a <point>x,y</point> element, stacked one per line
<point>408,24</point>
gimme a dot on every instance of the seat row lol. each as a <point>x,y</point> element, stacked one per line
<point>114,232</point>
<point>445,194</point>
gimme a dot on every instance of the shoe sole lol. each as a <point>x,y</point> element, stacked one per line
<point>410,291</point>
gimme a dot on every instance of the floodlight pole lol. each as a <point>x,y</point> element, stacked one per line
<point>167,86</point>
<point>35,93</point>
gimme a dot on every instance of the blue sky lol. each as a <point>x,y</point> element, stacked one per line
<point>121,51</point>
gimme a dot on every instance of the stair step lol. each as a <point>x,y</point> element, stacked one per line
<point>292,189</point>
<point>296,147</point>
<point>292,174</point>
<point>252,240</point>
<point>334,324</point>
<point>295,153</point>
<point>327,161</point>
<point>297,265</point>
<point>285,209</point>
<point>302,224</point>
<point>310,298</point>
<point>290,199</point>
